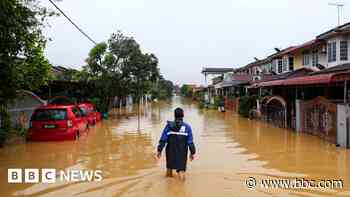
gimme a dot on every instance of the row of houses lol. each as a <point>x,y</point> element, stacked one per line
<point>303,87</point>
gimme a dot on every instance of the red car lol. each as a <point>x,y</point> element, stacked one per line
<point>92,115</point>
<point>98,116</point>
<point>57,122</point>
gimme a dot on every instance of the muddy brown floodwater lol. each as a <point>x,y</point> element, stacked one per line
<point>230,149</point>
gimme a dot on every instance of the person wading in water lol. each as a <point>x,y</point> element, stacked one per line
<point>177,137</point>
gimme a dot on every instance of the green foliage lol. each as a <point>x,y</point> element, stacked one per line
<point>246,103</point>
<point>163,89</point>
<point>20,131</point>
<point>22,62</point>
<point>199,97</point>
<point>217,101</point>
<point>97,103</point>
<point>186,90</point>
<point>232,97</point>
<point>5,124</point>
<point>73,75</point>
<point>119,68</point>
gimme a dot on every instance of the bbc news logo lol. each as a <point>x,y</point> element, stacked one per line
<point>50,175</point>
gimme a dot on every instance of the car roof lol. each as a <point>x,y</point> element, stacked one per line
<point>84,103</point>
<point>53,106</point>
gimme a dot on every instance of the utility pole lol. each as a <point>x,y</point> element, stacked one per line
<point>339,7</point>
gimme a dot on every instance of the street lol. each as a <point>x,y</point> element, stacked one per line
<point>230,150</point>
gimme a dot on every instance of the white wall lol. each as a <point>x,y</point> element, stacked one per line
<point>342,132</point>
<point>322,57</point>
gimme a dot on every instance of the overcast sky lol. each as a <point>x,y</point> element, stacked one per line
<point>187,35</point>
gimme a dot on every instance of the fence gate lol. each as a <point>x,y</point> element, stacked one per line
<point>274,111</point>
<point>319,117</point>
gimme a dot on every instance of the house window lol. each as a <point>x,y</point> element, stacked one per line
<point>269,66</point>
<point>273,66</point>
<point>280,65</point>
<point>306,58</point>
<point>291,63</point>
<point>315,58</point>
<point>332,51</point>
<point>344,50</point>
<point>285,64</point>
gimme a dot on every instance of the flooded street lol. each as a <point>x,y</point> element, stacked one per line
<point>230,149</point>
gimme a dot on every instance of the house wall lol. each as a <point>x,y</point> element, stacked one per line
<point>342,125</point>
<point>322,56</point>
<point>337,39</point>
<point>22,108</point>
<point>298,60</point>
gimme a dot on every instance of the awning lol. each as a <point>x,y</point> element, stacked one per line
<point>270,83</point>
<point>309,80</point>
<point>225,84</point>
<point>306,80</point>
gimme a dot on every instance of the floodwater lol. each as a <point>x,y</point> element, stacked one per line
<point>230,149</point>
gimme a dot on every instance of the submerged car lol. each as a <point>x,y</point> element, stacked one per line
<point>57,122</point>
<point>89,110</point>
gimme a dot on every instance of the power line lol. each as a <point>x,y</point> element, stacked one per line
<point>76,26</point>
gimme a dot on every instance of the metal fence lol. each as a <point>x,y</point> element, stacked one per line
<point>319,117</point>
<point>274,114</point>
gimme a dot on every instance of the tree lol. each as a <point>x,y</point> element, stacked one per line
<point>69,74</point>
<point>99,68</point>
<point>119,68</point>
<point>22,63</point>
<point>163,89</point>
<point>186,90</point>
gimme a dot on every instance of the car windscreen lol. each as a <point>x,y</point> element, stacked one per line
<point>50,114</point>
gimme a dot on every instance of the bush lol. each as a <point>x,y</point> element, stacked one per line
<point>217,100</point>
<point>5,124</point>
<point>3,136</point>
<point>232,97</point>
<point>200,105</point>
<point>97,103</point>
<point>246,103</point>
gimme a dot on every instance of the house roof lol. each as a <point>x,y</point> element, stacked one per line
<point>338,68</point>
<point>216,70</point>
<point>225,84</point>
<point>308,80</point>
<point>306,45</point>
<point>296,73</point>
<point>345,28</point>
<point>282,52</point>
<point>237,77</point>
<point>276,79</point>
<point>256,63</point>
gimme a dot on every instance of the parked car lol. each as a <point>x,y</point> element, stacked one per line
<point>98,116</point>
<point>57,122</point>
<point>92,115</point>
